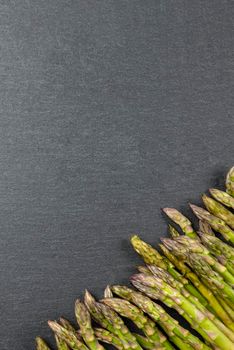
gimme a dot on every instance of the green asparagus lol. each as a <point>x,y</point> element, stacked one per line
<point>218,338</point>
<point>61,344</point>
<point>181,220</point>
<point>194,275</point>
<point>218,210</point>
<point>68,336</point>
<point>107,337</point>
<point>153,257</point>
<point>110,320</point>
<point>230,182</point>
<point>41,344</point>
<point>214,304</point>
<point>172,328</point>
<point>184,245</point>
<point>222,197</point>
<point>216,223</point>
<point>86,330</point>
<point>205,228</point>
<point>130,311</point>
<point>173,232</point>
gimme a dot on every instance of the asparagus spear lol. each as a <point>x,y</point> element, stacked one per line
<point>107,337</point>
<point>181,220</point>
<point>181,337</point>
<point>132,312</point>
<point>222,251</point>
<point>222,197</point>
<point>147,252</point>
<point>216,223</point>
<point>61,344</point>
<point>230,182</point>
<point>209,331</point>
<point>41,344</point>
<point>161,276</point>
<point>67,325</point>
<point>173,232</point>
<point>152,256</point>
<point>146,344</point>
<point>110,320</point>
<point>214,304</point>
<point>227,307</point>
<point>156,288</point>
<point>217,247</point>
<point>184,245</point>
<point>68,336</point>
<point>86,330</point>
<point>202,267</point>
<point>144,269</point>
<point>218,210</point>
<point>205,228</point>
<point>213,279</point>
<point>209,277</point>
<point>108,292</point>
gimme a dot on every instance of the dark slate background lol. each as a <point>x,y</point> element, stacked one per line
<point>110,110</point>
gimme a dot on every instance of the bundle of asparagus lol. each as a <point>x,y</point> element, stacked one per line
<point>193,274</point>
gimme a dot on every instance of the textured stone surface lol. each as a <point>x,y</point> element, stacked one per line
<point>109,110</point>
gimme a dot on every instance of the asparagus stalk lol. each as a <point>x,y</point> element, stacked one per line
<point>107,337</point>
<point>223,252</point>
<point>213,279</point>
<point>206,327</point>
<point>146,344</point>
<point>144,269</point>
<point>161,276</point>
<point>214,304</point>
<point>227,307</point>
<point>61,344</point>
<point>154,294</point>
<point>68,336</point>
<point>181,337</point>
<point>216,223</point>
<point>151,256</point>
<point>110,320</point>
<point>218,247</point>
<point>185,245</point>
<point>173,232</point>
<point>200,264</point>
<point>218,210</point>
<point>132,312</point>
<point>222,197</point>
<point>67,325</point>
<point>147,252</point>
<point>86,330</point>
<point>205,228</point>
<point>184,223</point>
<point>230,182</point>
<point>41,344</point>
